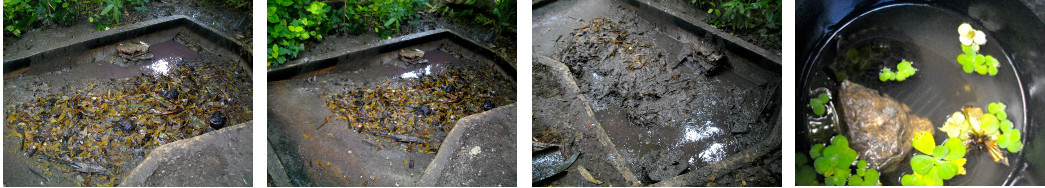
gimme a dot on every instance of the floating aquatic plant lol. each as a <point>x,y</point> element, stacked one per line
<point>835,163</point>
<point>903,70</point>
<point>818,104</point>
<point>935,163</point>
<point>970,59</point>
<point>992,130</point>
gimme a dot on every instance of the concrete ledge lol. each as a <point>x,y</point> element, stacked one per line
<point>320,61</point>
<point>479,151</point>
<point>220,158</point>
<point>102,38</point>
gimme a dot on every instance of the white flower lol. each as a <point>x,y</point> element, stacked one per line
<point>970,36</point>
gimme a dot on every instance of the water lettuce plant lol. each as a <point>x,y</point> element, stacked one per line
<point>818,104</point>
<point>970,59</point>
<point>935,163</point>
<point>992,130</point>
<point>835,163</point>
<point>903,70</point>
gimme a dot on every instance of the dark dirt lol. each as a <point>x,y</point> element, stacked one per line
<point>337,154</point>
<point>233,22</point>
<point>613,54</point>
<point>87,79</point>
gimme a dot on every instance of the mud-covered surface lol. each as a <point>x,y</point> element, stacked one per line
<point>81,120</point>
<point>880,127</point>
<point>641,76</point>
<point>406,110</point>
<point>232,22</point>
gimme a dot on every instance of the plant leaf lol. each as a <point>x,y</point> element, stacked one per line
<point>923,142</point>
<point>921,164</point>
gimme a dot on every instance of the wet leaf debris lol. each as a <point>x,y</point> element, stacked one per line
<point>415,114</point>
<point>604,38</point>
<point>95,133</point>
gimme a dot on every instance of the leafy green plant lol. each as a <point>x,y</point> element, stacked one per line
<point>903,70</point>
<point>20,15</point>
<point>835,163</point>
<point>501,15</point>
<point>1009,137</point>
<point>818,104</point>
<point>992,130</point>
<point>745,14</point>
<point>935,163</point>
<point>291,22</point>
<point>970,59</point>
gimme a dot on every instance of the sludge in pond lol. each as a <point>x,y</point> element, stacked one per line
<point>416,113</point>
<point>97,131</point>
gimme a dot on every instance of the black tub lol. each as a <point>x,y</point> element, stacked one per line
<point>1014,37</point>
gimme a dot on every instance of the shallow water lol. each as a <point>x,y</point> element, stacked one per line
<point>927,37</point>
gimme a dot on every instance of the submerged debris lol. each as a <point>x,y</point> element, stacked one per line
<point>98,130</point>
<point>416,113</point>
<point>704,58</point>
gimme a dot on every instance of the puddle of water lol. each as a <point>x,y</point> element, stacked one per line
<point>702,143</point>
<point>166,56</point>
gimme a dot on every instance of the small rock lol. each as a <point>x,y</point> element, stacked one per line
<point>487,105</point>
<point>412,56</point>
<point>217,120</point>
<point>169,94</point>
<point>424,110</point>
<point>126,125</point>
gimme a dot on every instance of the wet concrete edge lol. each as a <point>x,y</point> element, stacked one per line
<point>619,161</point>
<point>102,38</point>
<point>434,173</point>
<point>320,61</point>
<point>140,175</point>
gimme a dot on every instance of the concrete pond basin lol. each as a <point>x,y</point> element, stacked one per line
<point>425,109</point>
<point>86,112</point>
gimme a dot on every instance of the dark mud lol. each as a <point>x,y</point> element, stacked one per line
<point>82,109</point>
<point>337,153</point>
<point>632,77</point>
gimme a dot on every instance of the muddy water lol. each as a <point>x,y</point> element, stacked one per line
<point>335,154</point>
<point>701,142</point>
<point>939,88</point>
